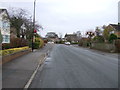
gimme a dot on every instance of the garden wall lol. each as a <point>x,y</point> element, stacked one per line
<point>104,47</point>
<point>10,57</point>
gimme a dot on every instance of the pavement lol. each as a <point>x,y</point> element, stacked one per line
<point>73,67</point>
<point>16,73</point>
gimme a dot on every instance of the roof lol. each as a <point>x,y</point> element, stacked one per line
<point>70,35</point>
<point>51,35</point>
<point>2,10</point>
<point>116,26</point>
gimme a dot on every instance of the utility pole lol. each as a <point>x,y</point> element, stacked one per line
<point>33,26</point>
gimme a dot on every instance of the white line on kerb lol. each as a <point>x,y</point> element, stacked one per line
<point>33,75</point>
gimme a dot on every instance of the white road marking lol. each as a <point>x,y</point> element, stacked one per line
<point>33,75</point>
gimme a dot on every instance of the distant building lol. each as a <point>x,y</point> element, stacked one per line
<point>116,29</point>
<point>5,25</point>
<point>71,37</point>
<point>52,36</point>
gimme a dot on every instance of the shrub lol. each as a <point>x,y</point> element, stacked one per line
<point>11,51</point>
<point>75,43</point>
<point>117,44</point>
<point>60,42</point>
<point>112,37</point>
<point>18,42</point>
<point>99,39</point>
<point>41,43</point>
<point>5,46</point>
<point>15,43</point>
<point>36,45</point>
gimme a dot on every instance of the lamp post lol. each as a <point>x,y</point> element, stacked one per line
<point>33,25</point>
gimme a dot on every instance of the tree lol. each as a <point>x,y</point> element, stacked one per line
<point>106,32</point>
<point>18,17</point>
<point>99,39</point>
<point>98,31</point>
<point>1,38</point>
<point>112,37</point>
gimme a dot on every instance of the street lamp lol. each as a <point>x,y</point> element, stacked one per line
<point>33,26</point>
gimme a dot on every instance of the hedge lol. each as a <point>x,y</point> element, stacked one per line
<point>11,51</point>
<point>15,43</point>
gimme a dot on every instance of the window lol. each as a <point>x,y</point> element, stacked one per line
<point>6,39</point>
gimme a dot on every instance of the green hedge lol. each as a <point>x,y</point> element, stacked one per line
<point>36,45</point>
<point>12,50</point>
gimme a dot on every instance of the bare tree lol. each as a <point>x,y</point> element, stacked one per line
<point>18,17</point>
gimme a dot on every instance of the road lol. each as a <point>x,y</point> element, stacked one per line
<point>72,67</point>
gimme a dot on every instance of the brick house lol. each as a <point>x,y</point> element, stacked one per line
<point>116,29</point>
<point>71,37</point>
<point>52,36</point>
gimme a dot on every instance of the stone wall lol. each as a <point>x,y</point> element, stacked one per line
<point>104,47</point>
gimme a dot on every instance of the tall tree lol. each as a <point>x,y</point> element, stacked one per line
<point>98,31</point>
<point>20,17</point>
<point>17,18</point>
<point>106,32</point>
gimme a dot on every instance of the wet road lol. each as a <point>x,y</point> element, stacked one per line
<point>72,67</point>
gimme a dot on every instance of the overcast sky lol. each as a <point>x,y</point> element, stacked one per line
<point>68,16</point>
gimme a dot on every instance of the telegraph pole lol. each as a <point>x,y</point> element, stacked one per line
<point>33,26</point>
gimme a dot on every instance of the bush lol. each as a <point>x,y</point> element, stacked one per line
<point>60,42</point>
<point>5,46</point>
<point>117,44</point>
<point>41,43</point>
<point>15,43</point>
<point>112,37</point>
<point>99,39</point>
<point>18,42</point>
<point>80,43</point>
<point>11,51</point>
<point>75,43</point>
<point>36,45</point>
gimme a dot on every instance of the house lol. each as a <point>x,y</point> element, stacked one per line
<point>116,29</point>
<point>71,38</point>
<point>13,33</point>
<point>23,31</point>
<point>52,36</point>
<point>5,26</point>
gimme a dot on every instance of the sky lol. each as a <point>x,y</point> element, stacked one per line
<point>119,12</point>
<point>68,16</point>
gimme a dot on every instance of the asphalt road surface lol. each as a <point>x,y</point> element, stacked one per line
<point>72,67</point>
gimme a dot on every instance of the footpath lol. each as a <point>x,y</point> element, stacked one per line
<point>16,73</point>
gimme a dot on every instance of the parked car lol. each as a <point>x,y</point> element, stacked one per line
<point>51,42</point>
<point>67,43</point>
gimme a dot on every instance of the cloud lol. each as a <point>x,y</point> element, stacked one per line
<point>68,16</point>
